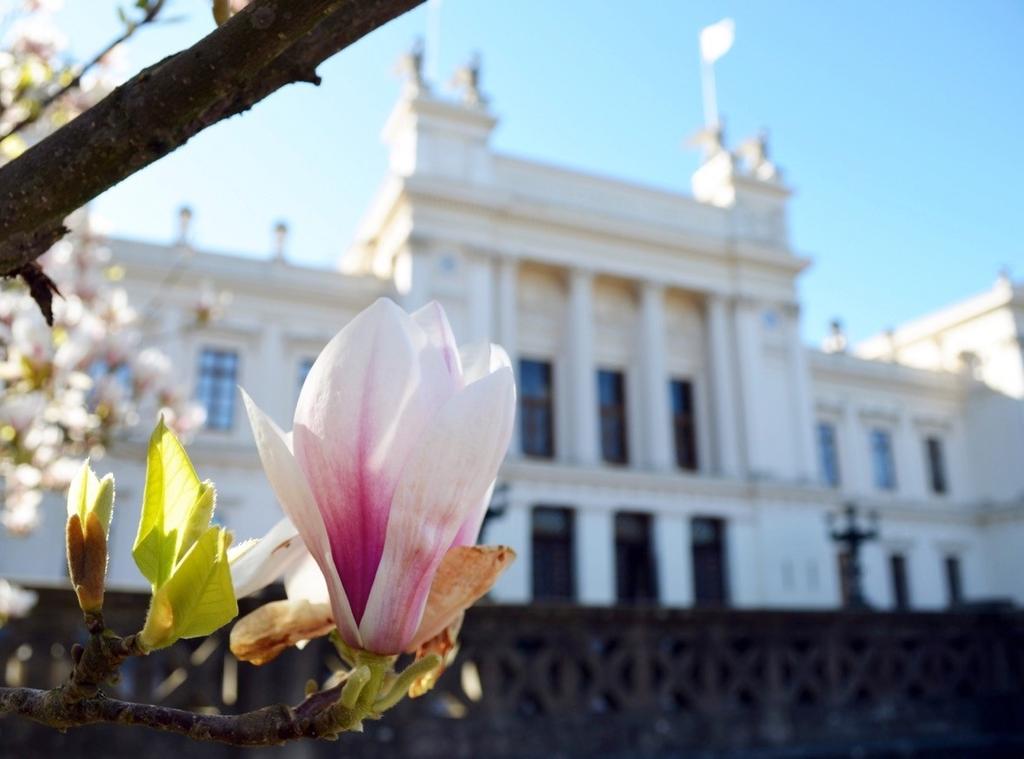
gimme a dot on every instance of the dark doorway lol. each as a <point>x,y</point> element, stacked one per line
<point>554,554</point>
<point>710,582</point>
<point>636,577</point>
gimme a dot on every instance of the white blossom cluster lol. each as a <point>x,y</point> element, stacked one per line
<point>34,65</point>
<point>67,391</point>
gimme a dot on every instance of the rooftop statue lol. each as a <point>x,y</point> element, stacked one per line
<point>410,68</point>
<point>754,154</point>
<point>467,80</point>
<point>710,139</point>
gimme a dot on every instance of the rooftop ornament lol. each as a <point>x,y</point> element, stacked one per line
<point>467,80</point>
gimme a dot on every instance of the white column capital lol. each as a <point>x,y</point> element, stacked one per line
<point>581,276</point>
<point>595,556</point>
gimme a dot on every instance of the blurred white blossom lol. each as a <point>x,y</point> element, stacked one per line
<point>14,601</point>
<point>68,391</point>
<point>35,69</point>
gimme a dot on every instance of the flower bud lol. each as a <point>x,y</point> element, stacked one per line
<point>90,505</point>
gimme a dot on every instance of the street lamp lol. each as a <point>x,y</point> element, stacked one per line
<point>851,537</point>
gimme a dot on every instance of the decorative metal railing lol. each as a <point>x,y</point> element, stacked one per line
<point>582,682</point>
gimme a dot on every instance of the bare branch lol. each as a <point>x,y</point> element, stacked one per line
<point>321,715</point>
<point>80,701</point>
<point>268,45</point>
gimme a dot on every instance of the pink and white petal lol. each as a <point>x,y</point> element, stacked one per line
<point>364,405</point>
<point>289,485</point>
<point>306,582</point>
<point>257,563</point>
<point>469,532</point>
<point>444,481</point>
<point>481,359</point>
<point>434,323</point>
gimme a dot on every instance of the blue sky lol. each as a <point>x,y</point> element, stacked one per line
<point>898,124</point>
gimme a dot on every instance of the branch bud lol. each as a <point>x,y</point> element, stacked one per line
<point>90,506</point>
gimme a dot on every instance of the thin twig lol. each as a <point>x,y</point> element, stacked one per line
<point>53,97</point>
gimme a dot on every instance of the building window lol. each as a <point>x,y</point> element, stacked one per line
<point>684,424</point>
<point>954,584</point>
<point>553,554</point>
<point>611,394</point>
<point>882,459</point>
<point>936,465</point>
<point>900,586</point>
<point>216,387</point>
<point>707,547</point>
<point>828,454</point>
<point>635,567</point>
<point>537,419</point>
<point>305,365</point>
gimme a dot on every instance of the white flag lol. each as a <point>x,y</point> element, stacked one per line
<point>715,40</point>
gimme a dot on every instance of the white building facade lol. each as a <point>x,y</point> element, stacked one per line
<point>676,443</point>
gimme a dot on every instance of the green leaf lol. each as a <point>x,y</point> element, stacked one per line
<point>197,598</point>
<point>87,493</point>
<point>176,507</point>
<point>78,492</point>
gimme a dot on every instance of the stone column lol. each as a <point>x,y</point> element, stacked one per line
<point>657,416</point>
<point>674,555</point>
<point>743,563</point>
<point>413,271</point>
<point>276,400</point>
<point>854,471</point>
<point>799,386</point>
<point>748,343</point>
<point>514,528</point>
<point>909,453</point>
<point>723,393</point>
<point>583,382</point>
<point>480,301</point>
<point>595,557</point>
<point>508,327</point>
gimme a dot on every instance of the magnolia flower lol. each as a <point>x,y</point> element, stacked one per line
<point>397,442</point>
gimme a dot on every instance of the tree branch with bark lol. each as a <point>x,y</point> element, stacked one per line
<point>80,701</point>
<point>268,45</point>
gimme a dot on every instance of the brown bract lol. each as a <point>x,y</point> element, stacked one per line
<point>465,575</point>
<point>260,636</point>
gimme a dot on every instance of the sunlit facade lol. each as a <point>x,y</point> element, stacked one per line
<point>677,443</point>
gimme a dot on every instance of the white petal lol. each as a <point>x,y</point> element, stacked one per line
<point>434,322</point>
<point>445,479</point>
<point>257,563</point>
<point>481,359</point>
<point>306,582</point>
<point>293,493</point>
<point>469,532</point>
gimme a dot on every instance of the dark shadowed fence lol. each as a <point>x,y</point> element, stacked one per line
<point>575,682</point>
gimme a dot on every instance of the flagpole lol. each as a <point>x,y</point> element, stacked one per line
<point>708,88</point>
<point>434,40</point>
